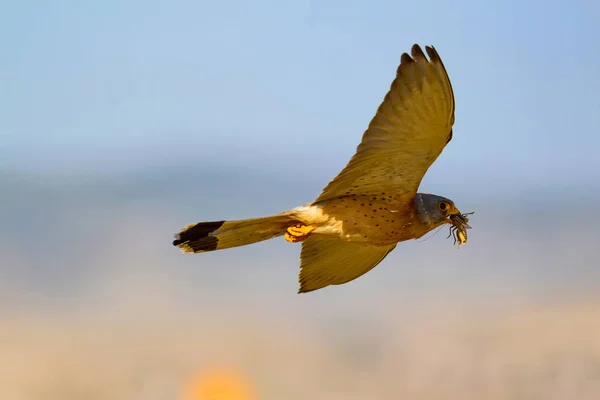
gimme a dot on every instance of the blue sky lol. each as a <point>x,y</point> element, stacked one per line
<point>289,87</point>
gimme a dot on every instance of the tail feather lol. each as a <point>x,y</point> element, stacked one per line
<point>218,235</point>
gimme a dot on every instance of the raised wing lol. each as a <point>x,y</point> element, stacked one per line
<point>409,131</point>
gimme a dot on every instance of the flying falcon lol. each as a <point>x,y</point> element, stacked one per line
<point>373,203</point>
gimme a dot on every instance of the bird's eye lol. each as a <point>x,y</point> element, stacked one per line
<point>443,206</point>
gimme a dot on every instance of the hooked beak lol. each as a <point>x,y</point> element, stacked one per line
<point>456,217</point>
<point>454,212</point>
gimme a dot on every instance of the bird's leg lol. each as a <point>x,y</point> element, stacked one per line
<point>298,232</point>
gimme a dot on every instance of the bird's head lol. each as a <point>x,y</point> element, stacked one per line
<point>436,210</point>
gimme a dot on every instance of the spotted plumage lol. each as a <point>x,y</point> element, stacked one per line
<point>373,203</point>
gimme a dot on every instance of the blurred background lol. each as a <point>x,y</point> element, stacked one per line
<point>123,121</point>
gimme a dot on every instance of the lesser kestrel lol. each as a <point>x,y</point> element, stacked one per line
<point>372,204</point>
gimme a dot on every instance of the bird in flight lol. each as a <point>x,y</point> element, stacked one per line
<point>372,204</point>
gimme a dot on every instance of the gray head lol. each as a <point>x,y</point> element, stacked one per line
<point>434,210</point>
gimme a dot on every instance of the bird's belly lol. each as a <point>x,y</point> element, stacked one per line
<point>358,219</point>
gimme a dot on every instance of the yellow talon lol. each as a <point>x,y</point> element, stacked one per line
<point>298,232</point>
<point>292,239</point>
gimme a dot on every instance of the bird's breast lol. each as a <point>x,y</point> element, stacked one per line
<point>360,219</point>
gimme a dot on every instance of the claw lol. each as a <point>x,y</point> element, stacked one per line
<point>297,233</point>
<point>300,230</point>
<point>293,239</point>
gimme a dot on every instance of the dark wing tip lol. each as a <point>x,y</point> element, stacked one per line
<point>198,237</point>
<point>406,59</point>
<point>417,52</point>
<point>432,53</point>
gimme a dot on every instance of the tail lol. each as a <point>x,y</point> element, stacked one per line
<point>218,235</point>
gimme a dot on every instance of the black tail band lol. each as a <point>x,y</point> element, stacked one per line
<point>198,237</point>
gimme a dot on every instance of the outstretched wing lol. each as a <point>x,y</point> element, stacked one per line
<point>411,128</point>
<point>328,261</point>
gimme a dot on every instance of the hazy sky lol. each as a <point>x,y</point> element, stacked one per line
<point>289,86</point>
